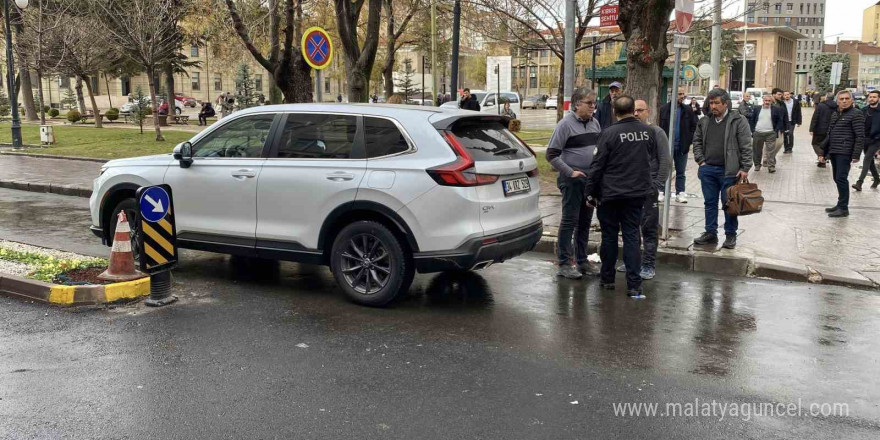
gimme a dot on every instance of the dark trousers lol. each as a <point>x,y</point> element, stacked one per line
<point>788,138</point>
<point>715,186</point>
<point>203,120</point>
<point>650,227</point>
<point>818,138</point>
<point>624,216</point>
<point>574,228</point>
<point>869,164</point>
<point>840,165</point>
<point>680,160</point>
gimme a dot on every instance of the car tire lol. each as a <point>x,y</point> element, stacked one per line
<point>364,278</point>
<point>131,213</point>
<point>177,111</point>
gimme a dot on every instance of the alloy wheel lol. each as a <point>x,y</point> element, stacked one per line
<point>366,264</point>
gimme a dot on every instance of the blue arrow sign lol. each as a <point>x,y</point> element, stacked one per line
<point>154,204</point>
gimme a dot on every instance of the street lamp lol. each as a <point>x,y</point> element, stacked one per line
<point>10,74</point>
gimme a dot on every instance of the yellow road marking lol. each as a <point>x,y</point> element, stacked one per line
<point>160,240</point>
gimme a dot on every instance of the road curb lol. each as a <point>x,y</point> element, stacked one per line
<point>743,266</point>
<point>60,295</point>
<point>50,156</point>
<point>54,188</point>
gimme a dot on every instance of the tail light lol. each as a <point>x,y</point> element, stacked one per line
<point>461,171</point>
<point>532,173</point>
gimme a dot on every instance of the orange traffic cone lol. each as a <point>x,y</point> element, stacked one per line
<point>121,259</point>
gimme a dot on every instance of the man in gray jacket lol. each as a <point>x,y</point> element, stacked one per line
<point>723,149</point>
<point>570,152</point>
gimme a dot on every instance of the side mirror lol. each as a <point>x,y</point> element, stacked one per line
<point>183,153</point>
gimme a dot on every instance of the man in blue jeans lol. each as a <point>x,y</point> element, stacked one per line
<point>685,124</point>
<point>723,149</point>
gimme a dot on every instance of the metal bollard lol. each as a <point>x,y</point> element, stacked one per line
<point>160,290</point>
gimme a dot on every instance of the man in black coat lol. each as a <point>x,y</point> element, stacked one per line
<point>872,140</point>
<point>468,101</point>
<point>819,125</point>
<point>684,135</point>
<point>604,112</point>
<point>846,137</point>
<point>793,113</point>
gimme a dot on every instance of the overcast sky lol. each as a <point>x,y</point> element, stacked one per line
<point>845,20</point>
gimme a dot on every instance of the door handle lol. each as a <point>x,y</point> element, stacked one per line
<point>340,176</point>
<point>242,173</point>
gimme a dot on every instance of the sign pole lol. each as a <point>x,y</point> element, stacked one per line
<point>319,90</point>
<point>673,112</point>
<point>317,50</point>
<point>157,241</point>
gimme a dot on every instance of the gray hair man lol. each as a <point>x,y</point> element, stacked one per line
<point>570,152</point>
<point>844,148</point>
<point>723,149</point>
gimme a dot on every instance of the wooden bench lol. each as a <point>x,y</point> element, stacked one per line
<point>181,119</point>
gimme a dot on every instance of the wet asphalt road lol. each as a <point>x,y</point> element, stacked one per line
<point>258,349</point>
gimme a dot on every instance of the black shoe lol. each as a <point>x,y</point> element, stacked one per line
<point>832,209</point>
<point>588,269</point>
<point>729,242</point>
<point>706,238</point>
<point>822,165</point>
<point>757,167</point>
<point>875,184</point>
<point>635,293</point>
<point>786,152</point>
<point>771,169</point>
<point>608,286</point>
<point>839,213</point>
<point>857,186</point>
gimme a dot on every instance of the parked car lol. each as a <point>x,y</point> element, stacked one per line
<point>130,107</point>
<point>535,102</point>
<point>375,192</point>
<point>551,102</point>
<point>736,98</point>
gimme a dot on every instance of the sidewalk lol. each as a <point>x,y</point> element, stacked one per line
<point>792,231</point>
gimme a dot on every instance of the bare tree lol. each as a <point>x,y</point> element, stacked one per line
<point>290,72</point>
<point>645,23</point>
<point>146,31</point>
<point>393,40</point>
<point>358,59</point>
<point>86,55</point>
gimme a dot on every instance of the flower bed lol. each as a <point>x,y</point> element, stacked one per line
<point>49,265</point>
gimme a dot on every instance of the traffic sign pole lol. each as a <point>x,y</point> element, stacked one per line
<point>317,49</point>
<point>157,237</point>
<point>673,112</point>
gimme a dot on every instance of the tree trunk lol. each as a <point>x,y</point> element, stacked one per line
<point>358,84</point>
<point>644,23</point>
<point>172,95</point>
<point>107,82</point>
<point>560,91</point>
<point>27,94</point>
<point>295,82</point>
<point>390,42</point>
<point>40,98</point>
<point>154,104</point>
<point>80,100</point>
<point>359,58</point>
<point>98,117</point>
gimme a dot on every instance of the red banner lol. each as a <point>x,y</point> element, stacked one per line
<point>608,15</point>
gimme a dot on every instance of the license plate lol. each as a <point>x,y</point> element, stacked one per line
<point>516,186</point>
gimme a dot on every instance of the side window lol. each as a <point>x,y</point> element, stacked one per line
<point>317,136</point>
<point>243,137</point>
<point>382,138</point>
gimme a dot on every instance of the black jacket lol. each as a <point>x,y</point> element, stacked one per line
<point>781,104</point>
<point>872,125</point>
<point>470,104</point>
<point>796,116</point>
<point>822,118</point>
<point>688,125</point>
<point>846,134</point>
<point>604,112</point>
<point>776,114</point>
<point>621,168</point>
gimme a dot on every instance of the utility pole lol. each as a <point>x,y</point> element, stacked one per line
<point>434,50</point>
<point>456,24</point>
<point>568,72</point>
<point>593,82</point>
<point>424,61</point>
<point>716,44</point>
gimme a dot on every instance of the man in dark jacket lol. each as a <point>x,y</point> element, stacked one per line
<point>819,125</point>
<point>793,112</point>
<point>723,149</point>
<point>872,140</point>
<point>767,124</point>
<point>604,112</point>
<point>846,136</point>
<point>468,101</point>
<point>686,123</point>
<point>619,179</point>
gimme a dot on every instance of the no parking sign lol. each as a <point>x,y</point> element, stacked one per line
<point>317,47</point>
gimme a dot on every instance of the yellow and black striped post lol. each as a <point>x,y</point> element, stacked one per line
<point>157,240</point>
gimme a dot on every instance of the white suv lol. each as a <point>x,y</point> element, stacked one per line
<point>374,191</point>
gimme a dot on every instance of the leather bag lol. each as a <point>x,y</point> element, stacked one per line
<point>743,198</point>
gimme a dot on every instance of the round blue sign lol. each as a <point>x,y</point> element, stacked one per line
<point>154,204</point>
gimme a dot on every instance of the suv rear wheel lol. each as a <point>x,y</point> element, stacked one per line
<point>131,213</point>
<point>370,264</point>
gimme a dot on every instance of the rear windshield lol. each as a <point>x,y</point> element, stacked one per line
<point>489,141</point>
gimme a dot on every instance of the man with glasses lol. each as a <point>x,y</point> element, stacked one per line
<point>570,152</point>
<point>685,125</point>
<point>846,136</point>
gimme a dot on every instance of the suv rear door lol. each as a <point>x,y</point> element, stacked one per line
<point>511,200</point>
<point>315,165</point>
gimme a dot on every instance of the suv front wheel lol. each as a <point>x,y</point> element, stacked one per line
<point>370,263</point>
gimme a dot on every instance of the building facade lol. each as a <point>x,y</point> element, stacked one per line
<point>771,60</point>
<point>869,68</point>
<point>871,24</point>
<point>804,16</point>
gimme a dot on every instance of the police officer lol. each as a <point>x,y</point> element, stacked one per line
<point>618,181</point>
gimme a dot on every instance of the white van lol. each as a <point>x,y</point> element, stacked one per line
<point>488,103</point>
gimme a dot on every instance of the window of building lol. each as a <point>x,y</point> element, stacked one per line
<point>789,7</point>
<point>778,8</point>
<point>382,138</point>
<point>194,51</point>
<point>317,136</point>
<point>751,19</point>
<point>787,21</point>
<point>218,82</point>
<point>258,83</point>
<point>125,85</point>
<point>327,85</point>
<point>822,9</point>
<point>64,82</point>
<point>763,20</point>
<point>776,21</point>
<point>195,81</point>
<point>802,8</point>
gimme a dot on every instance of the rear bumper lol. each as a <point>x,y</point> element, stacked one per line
<point>482,251</point>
